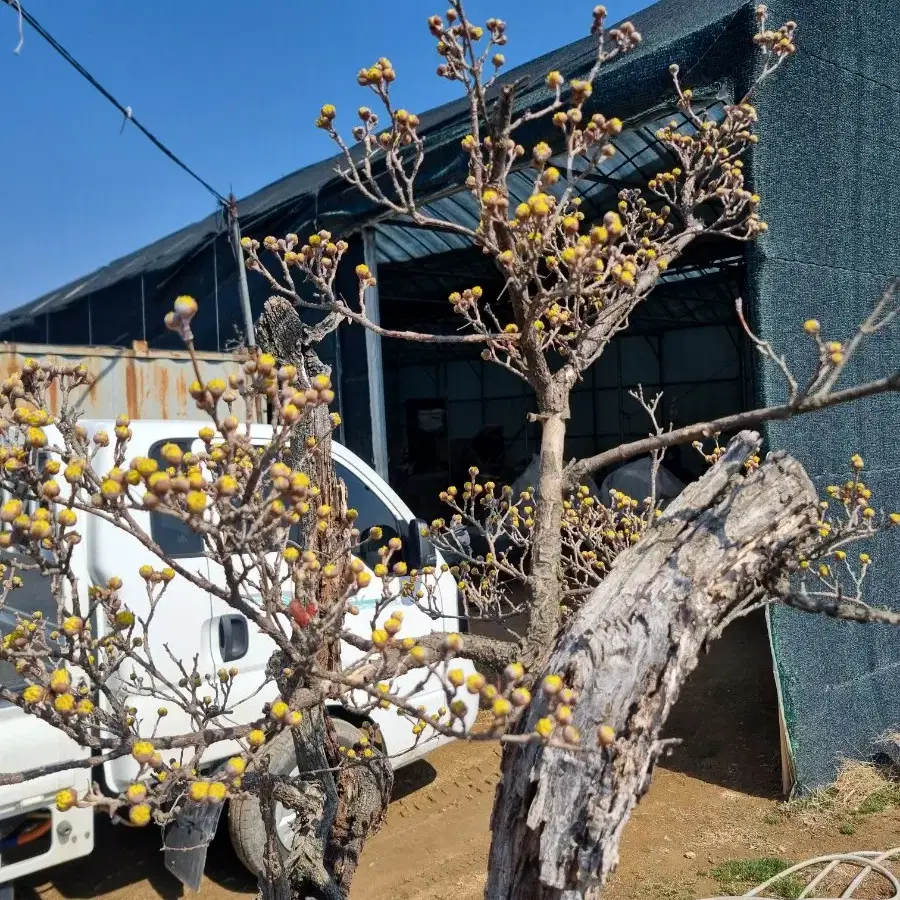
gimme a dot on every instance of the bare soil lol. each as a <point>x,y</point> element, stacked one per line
<point>715,799</point>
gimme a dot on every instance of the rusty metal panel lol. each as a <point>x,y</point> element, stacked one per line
<point>142,383</point>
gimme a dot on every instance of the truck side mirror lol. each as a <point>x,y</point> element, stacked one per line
<point>420,551</point>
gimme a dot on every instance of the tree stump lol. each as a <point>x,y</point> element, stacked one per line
<point>559,813</point>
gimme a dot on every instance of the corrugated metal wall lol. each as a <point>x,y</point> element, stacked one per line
<point>142,383</point>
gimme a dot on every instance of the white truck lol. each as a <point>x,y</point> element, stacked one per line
<point>34,835</point>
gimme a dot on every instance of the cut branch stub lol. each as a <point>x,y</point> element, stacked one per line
<point>559,813</point>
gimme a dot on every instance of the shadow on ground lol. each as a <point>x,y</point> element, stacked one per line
<point>122,857</point>
<point>125,856</point>
<point>727,715</point>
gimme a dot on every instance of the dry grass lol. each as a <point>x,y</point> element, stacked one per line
<point>859,789</point>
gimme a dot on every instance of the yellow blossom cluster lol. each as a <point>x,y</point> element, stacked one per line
<point>380,73</point>
<point>319,254</point>
<point>455,40</point>
<point>853,518</point>
<point>779,41</point>
<point>558,723</point>
<point>138,802</point>
<point>594,533</point>
<point>710,155</point>
<point>58,694</point>
<point>363,747</point>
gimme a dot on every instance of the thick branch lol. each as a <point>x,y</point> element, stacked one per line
<point>837,607</point>
<point>577,469</point>
<point>488,652</point>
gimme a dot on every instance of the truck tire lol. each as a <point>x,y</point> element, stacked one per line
<point>245,824</point>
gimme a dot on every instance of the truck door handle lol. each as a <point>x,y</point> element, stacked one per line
<point>234,637</point>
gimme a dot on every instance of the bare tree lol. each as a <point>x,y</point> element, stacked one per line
<point>620,593</point>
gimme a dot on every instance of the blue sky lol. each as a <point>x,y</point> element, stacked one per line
<point>232,87</point>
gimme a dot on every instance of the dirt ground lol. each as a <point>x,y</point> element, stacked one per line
<point>714,800</point>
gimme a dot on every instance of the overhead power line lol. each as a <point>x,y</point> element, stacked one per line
<point>125,110</point>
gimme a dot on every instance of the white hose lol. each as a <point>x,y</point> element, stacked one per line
<point>869,862</point>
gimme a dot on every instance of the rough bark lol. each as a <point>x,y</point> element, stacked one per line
<point>559,813</point>
<point>342,810</point>
<point>364,792</point>
<point>276,885</point>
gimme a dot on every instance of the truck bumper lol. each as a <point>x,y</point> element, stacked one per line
<point>28,743</point>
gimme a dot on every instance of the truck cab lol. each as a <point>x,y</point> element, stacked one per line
<point>34,835</point>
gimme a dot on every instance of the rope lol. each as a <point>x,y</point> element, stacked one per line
<point>127,113</point>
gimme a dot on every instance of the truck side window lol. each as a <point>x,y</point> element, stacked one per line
<point>35,595</point>
<point>174,537</point>
<point>372,511</point>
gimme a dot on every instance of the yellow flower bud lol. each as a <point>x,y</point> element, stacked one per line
<point>520,697</point>
<point>475,683</point>
<point>606,735</point>
<point>136,793</point>
<point>235,766</point>
<point>186,307</point>
<point>196,502</point>
<point>139,815</point>
<point>72,625</point>
<point>143,751</point>
<point>60,681</point>
<point>453,642</point>
<point>66,799</point>
<point>34,694</point>
<point>544,728</point>
<point>380,637</point>
<point>124,618</point>
<point>198,791</point>
<point>553,684</point>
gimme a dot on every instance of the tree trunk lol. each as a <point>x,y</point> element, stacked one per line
<point>346,808</point>
<point>546,549</point>
<point>559,813</point>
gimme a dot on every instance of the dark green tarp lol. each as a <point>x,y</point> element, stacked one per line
<point>827,164</point>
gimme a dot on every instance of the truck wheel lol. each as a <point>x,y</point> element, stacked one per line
<point>245,824</point>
